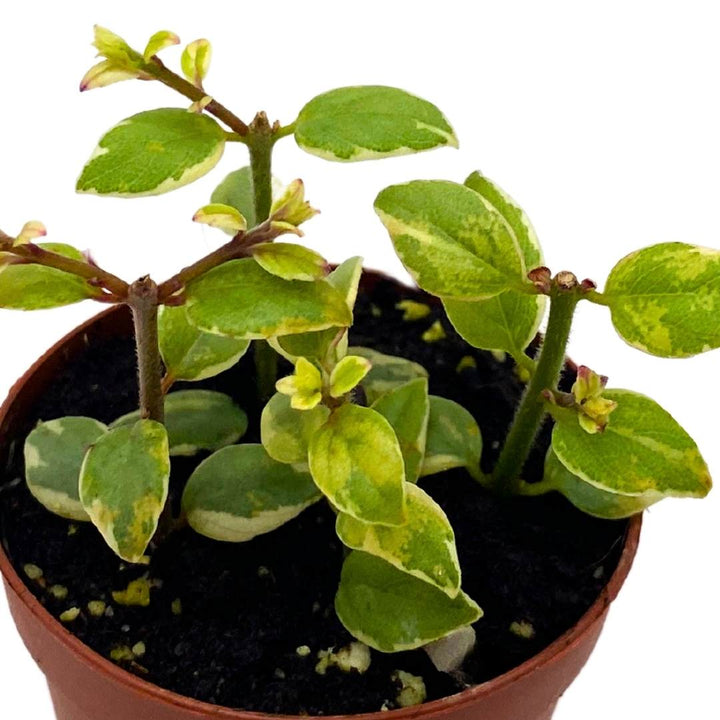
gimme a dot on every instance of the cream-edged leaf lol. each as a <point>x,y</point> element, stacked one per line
<point>387,371</point>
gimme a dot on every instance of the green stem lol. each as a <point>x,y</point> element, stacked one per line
<point>531,412</point>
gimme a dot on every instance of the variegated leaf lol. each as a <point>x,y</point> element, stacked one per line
<point>387,371</point>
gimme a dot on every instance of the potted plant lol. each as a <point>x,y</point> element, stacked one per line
<point>345,432</point>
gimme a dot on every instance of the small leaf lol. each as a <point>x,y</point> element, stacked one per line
<point>197,420</point>
<point>54,453</point>
<point>191,354</point>
<point>31,230</point>
<point>387,372</point>
<point>304,386</point>
<point>153,152</point>
<point>124,486</point>
<point>159,41</point>
<point>106,73</point>
<point>665,299</point>
<point>368,122</point>
<point>27,286</point>
<point>590,499</point>
<point>237,190</point>
<point>291,207</point>
<point>356,461</point>
<point>241,492</point>
<point>452,241</point>
<point>286,432</point>
<point>290,261</point>
<point>195,61</point>
<point>643,452</point>
<point>424,546</point>
<point>242,300</point>
<point>223,217</point>
<point>348,373</point>
<point>453,438</point>
<point>407,408</point>
<point>113,47</point>
<point>392,611</point>
<point>316,345</point>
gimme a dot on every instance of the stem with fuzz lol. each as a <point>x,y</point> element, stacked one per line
<point>143,301</point>
<point>531,411</point>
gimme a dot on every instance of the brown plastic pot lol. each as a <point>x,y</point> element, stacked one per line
<point>86,686</point>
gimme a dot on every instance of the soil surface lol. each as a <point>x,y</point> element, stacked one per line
<point>225,620</point>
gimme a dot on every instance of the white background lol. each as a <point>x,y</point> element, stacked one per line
<point>601,119</point>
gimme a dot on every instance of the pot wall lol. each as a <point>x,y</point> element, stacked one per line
<point>86,686</point>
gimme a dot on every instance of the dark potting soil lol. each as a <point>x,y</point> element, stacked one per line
<point>225,620</point>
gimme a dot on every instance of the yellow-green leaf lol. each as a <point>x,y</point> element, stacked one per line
<point>304,386</point>
<point>241,492</point>
<point>348,373</point>
<point>369,122</point>
<point>195,61</point>
<point>387,372</point>
<point>665,299</point>
<point>153,152</point>
<point>407,408</point>
<point>242,300</point>
<point>392,611</point>
<point>356,461</point>
<point>124,485</point>
<point>54,453</point>
<point>424,546</point>
<point>451,240</point>
<point>290,261</point>
<point>223,217</point>
<point>159,41</point>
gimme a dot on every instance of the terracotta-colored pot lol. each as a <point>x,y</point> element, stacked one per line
<point>86,686</point>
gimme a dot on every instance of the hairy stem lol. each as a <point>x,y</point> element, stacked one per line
<point>531,411</point>
<point>143,301</point>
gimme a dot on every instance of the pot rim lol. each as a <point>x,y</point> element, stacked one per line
<point>95,661</point>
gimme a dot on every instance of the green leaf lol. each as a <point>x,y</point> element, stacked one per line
<point>223,217</point>
<point>451,240</point>
<point>316,345</point>
<point>369,122</point>
<point>197,420</point>
<point>54,453</point>
<point>453,438</point>
<point>242,300</point>
<point>643,452</point>
<point>387,372</point>
<point>407,408</point>
<point>392,611</point>
<point>286,432</point>
<point>588,498</point>
<point>347,374</point>
<point>237,190</point>
<point>509,321</point>
<point>153,152</point>
<point>424,546</point>
<point>356,461</point>
<point>26,286</point>
<point>191,354</point>
<point>241,492</point>
<point>290,261</point>
<point>124,485</point>
<point>665,299</point>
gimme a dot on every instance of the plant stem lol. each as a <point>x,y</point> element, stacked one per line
<point>143,301</point>
<point>531,411</point>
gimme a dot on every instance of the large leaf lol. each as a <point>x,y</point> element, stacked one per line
<point>665,299</point>
<point>453,438</point>
<point>242,300</point>
<point>153,152</point>
<point>387,372</point>
<point>240,492</point>
<point>368,122</point>
<point>197,420</point>
<point>392,611</point>
<point>286,432</point>
<point>355,459</point>
<point>424,546</point>
<point>642,452</point>
<point>26,286</point>
<point>190,353</point>
<point>315,345</point>
<point>451,240</point>
<point>124,485</point>
<point>407,408</point>
<point>54,453</point>
<point>589,498</point>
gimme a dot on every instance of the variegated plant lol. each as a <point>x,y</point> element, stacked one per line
<point>613,452</point>
<point>350,425</point>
